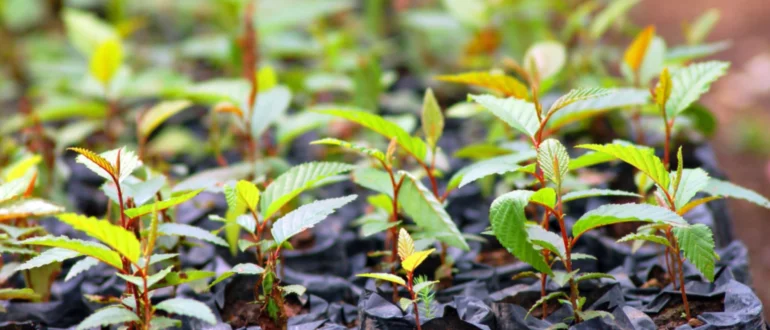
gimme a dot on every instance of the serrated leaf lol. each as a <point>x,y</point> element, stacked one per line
<point>293,288</point>
<point>405,244</point>
<point>158,114</point>
<point>247,222</point>
<point>689,83</point>
<point>22,294</point>
<point>507,85</point>
<point>374,179</point>
<point>180,229</point>
<point>498,165</point>
<point>592,276</point>
<point>92,249</point>
<point>574,195</point>
<point>151,280</point>
<point>270,106</point>
<point>20,168</point>
<point>545,59</point>
<point>432,119</point>
<point>81,266</point>
<point>663,89</point>
<point>295,181</point>
<point>306,216</point>
<point>425,209</point>
<point>582,256</point>
<point>546,239</point>
<point>187,307</point>
<point>577,95</point>
<point>248,193</point>
<point>692,181</point>
<point>161,205</point>
<point>385,277</point>
<point>542,300</point>
<point>162,323</point>
<point>561,277</point>
<point>106,60</point>
<point>15,188</point>
<point>242,269</point>
<point>415,146</point>
<point>643,159</point>
<point>617,213</point>
<point>697,245</point>
<point>553,160</point>
<point>108,316</point>
<point>426,285</point>
<point>208,179</point>
<point>544,196</point>
<point>48,257</point>
<point>415,259</point>
<point>116,237</point>
<point>32,207</point>
<point>509,225</point>
<point>618,98</point>
<point>517,113</point>
<point>104,164</point>
<point>645,237</point>
<point>635,52</point>
<point>182,277</point>
<point>377,154</point>
<point>717,187</point>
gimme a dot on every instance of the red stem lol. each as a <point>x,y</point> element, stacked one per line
<point>410,280</point>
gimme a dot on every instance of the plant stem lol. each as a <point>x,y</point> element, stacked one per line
<point>410,280</point>
<point>680,263</point>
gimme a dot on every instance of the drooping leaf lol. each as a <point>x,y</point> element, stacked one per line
<point>509,225</point>
<point>161,205</point>
<point>592,276</point>
<point>618,98</point>
<point>48,257</point>
<point>306,217</point>
<point>295,181</point>
<point>116,237</point>
<point>182,277</point>
<point>635,52</point>
<point>645,237</point>
<point>248,193</point>
<point>92,249</point>
<point>242,269</point>
<point>498,165</point>
<point>425,209</point>
<point>544,299</point>
<point>385,277</point>
<point>106,60</point>
<point>405,244</point>
<point>377,154</point>
<point>544,196</point>
<point>643,159</point>
<point>81,266</point>
<point>577,95</point>
<point>499,82</point>
<point>108,316</point>
<point>375,179</point>
<point>158,114</point>
<point>23,294</point>
<point>546,239</point>
<point>187,307</point>
<point>415,146</point>
<point>517,113</point>
<point>25,208</point>
<point>689,83</point>
<point>415,259</point>
<point>561,278</point>
<point>617,213</point>
<point>574,195</point>
<point>270,106</point>
<point>180,229</point>
<point>545,59</point>
<point>716,187</point>
<point>553,160</point>
<point>432,119</point>
<point>692,181</point>
<point>697,245</point>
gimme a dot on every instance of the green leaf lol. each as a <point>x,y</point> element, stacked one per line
<point>374,179</point>
<point>404,303</point>
<point>24,294</point>
<point>726,189</point>
<point>187,307</point>
<point>162,323</point>
<point>91,249</point>
<point>373,227</point>
<point>698,30</point>
<point>14,188</point>
<point>270,106</point>
<point>414,260</point>
<point>352,146</point>
<point>414,146</point>
<point>106,60</point>
<point>544,299</point>
<point>21,168</point>
<point>617,213</point>
<point>561,277</point>
<point>544,59</point>
<point>582,256</point>
<point>158,114</point>
<point>425,209</point>
<point>180,229</point>
<point>692,181</point>
<point>32,207</point>
<point>617,98</point>
<point>544,196</point>
<point>592,276</point>
<point>592,314</point>
<point>432,119</point>
<point>689,83</point>
<point>151,280</point>
<point>116,237</point>
<point>105,163</point>
<point>580,94</point>
<point>499,82</point>
<point>683,54</point>
<point>108,316</point>
<point>385,277</point>
<point>81,266</point>
<point>248,193</point>
<point>242,269</point>
<point>161,205</point>
<point>553,160</point>
<point>643,159</point>
<point>612,13</point>
<point>48,257</point>
<point>295,181</point>
<point>574,195</point>
<point>645,237</point>
<point>546,239</point>
<point>86,31</point>
<point>293,288</point>
<point>498,165</point>
<point>697,245</point>
<point>209,179</point>
<point>182,277</point>
<point>306,216</point>
<point>509,225</point>
<point>517,113</point>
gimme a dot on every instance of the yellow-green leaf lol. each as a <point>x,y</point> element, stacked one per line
<point>160,113</point>
<point>266,78</point>
<point>385,277</point>
<point>432,119</point>
<point>33,207</point>
<point>248,193</point>
<point>414,260</point>
<point>635,52</point>
<point>116,237</point>
<point>91,249</point>
<point>405,244</point>
<point>499,82</point>
<point>161,205</point>
<point>20,168</point>
<point>663,89</point>
<point>106,60</point>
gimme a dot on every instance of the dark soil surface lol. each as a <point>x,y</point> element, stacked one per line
<point>673,315</point>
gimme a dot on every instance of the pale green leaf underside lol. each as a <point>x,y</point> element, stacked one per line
<point>81,266</point>
<point>385,277</point>
<point>295,181</point>
<point>645,237</point>
<point>187,307</point>
<point>617,98</point>
<point>307,216</point>
<point>574,195</point>
<point>497,165</point>
<point>92,249</point>
<point>243,269</point>
<point>617,213</point>
<point>689,83</point>
<point>162,205</point>
<point>693,181</point>
<point>553,160</point>
<point>377,154</point>
<point>180,229</point>
<point>108,316</point>
<point>580,94</point>
<point>717,187</point>
<point>517,113</point>
<point>48,257</point>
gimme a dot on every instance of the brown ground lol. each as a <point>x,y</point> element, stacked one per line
<point>742,97</point>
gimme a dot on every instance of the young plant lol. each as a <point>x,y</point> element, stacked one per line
<point>410,260</point>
